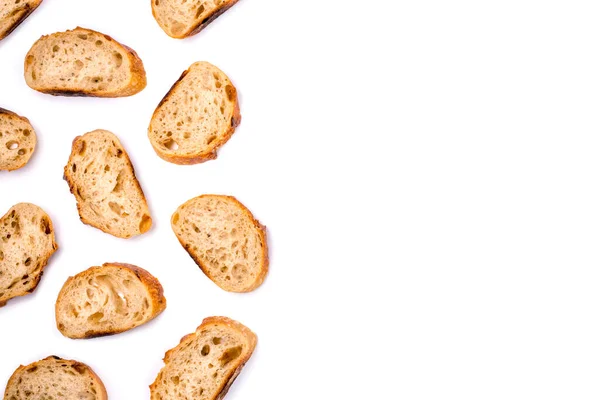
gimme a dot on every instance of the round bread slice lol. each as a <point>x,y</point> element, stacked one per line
<point>225,240</point>
<point>55,378</point>
<point>196,117</point>
<point>17,140</point>
<point>83,62</point>
<point>107,300</point>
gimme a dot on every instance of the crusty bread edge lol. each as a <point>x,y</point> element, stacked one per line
<point>26,12</point>
<point>24,119</point>
<point>261,228</point>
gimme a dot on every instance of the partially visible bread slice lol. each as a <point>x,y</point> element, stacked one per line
<point>106,300</point>
<point>225,240</point>
<point>55,378</point>
<point>196,117</point>
<point>180,19</point>
<point>17,140</point>
<point>26,244</point>
<point>13,12</point>
<point>205,364</point>
<point>108,194</point>
<point>83,62</point>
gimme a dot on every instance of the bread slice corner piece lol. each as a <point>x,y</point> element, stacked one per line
<point>196,117</point>
<point>26,244</point>
<point>225,240</point>
<point>17,140</point>
<point>205,363</point>
<point>13,13</point>
<point>83,62</point>
<point>107,300</point>
<point>183,19</point>
<point>102,179</point>
<point>55,378</point>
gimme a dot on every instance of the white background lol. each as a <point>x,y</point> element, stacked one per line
<point>428,170</point>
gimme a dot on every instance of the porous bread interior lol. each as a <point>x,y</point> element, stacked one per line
<point>17,141</point>
<point>179,18</point>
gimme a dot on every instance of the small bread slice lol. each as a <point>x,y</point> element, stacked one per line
<point>13,12</point>
<point>196,117</point>
<point>205,363</point>
<point>82,62</point>
<point>183,19</point>
<point>107,300</point>
<point>108,194</point>
<point>26,244</point>
<point>225,240</point>
<point>55,378</point>
<point>17,140</point>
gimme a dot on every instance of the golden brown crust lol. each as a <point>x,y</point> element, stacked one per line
<point>24,12</point>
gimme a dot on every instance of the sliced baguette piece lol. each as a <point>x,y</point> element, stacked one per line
<point>55,378</point>
<point>26,244</point>
<point>196,117</point>
<point>13,13</point>
<point>17,140</point>
<point>225,240</point>
<point>107,300</point>
<point>181,19</point>
<point>83,62</point>
<point>108,194</point>
<point>205,364</point>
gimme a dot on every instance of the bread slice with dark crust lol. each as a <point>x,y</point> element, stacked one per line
<point>17,140</point>
<point>13,13</point>
<point>204,365</point>
<point>107,300</point>
<point>55,378</point>
<point>83,62</point>
<point>26,244</point>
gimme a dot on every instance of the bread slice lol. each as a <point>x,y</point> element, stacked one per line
<point>83,62</point>
<point>225,240</point>
<point>13,12</point>
<point>181,19</point>
<point>17,140</point>
<point>107,300</point>
<point>108,194</point>
<point>205,364</point>
<point>196,117</point>
<point>55,378</point>
<point>26,244</point>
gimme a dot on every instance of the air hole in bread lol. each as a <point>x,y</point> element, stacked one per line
<point>216,340</point>
<point>45,226</point>
<point>1,256</point>
<point>95,317</point>
<point>145,223</point>
<point>187,135</point>
<point>12,145</point>
<point>55,48</point>
<point>27,262</point>
<point>205,350</point>
<point>230,355</point>
<point>175,218</point>
<point>26,132</point>
<point>21,152</point>
<point>82,37</point>
<point>81,147</point>
<point>171,144</point>
<point>175,380</point>
<point>230,90</point>
<point>212,138</point>
<point>200,11</point>
<point>99,43</point>
<point>78,64</point>
<point>118,59</point>
<point>106,168</point>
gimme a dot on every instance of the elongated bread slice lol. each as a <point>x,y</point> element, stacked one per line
<point>107,300</point>
<point>108,194</point>
<point>181,19</point>
<point>17,140</point>
<point>225,240</point>
<point>26,244</point>
<point>196,117</point>
<point>83,62</point>
<point>55,378</point>
<point>205,364</point>
<point>13,12</point>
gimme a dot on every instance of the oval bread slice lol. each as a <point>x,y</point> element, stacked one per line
<point>108,194</point>
<point>196,117</point>
<point>17,140</point>
<point>206,363</point>
<point>225,240</point>
<point>107,300</point>
<point>83,62</point>
<point>13,13</point>
<point>55,378</point>
<point>26,244</point>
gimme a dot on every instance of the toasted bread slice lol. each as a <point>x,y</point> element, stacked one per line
<point>55,378</point>
<point>13,12</point>
<point>196,117</point>
<point>26,244</point>
<point>225,240</point>
<point>107,300</point>
<point>83,62</point>
<point>17,140</point>
<point>205,364</point>
<point>183,19</point>
<point>108,194</point>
